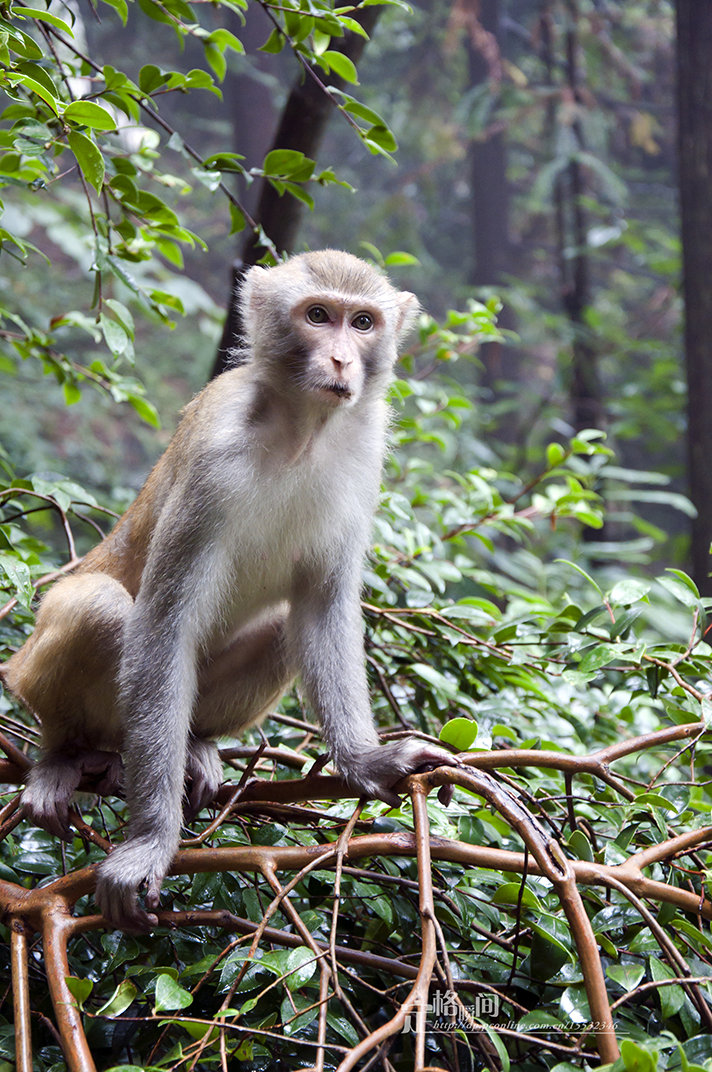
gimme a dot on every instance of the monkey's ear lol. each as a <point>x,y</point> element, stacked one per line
<point>252,298</point>
<point>252,288</point>
<point>408,309</point>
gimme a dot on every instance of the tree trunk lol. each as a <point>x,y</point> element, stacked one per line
<point>694,73</point>
<point>248,99</point>
<point>301,127</point>
<point>490,192</point>
<point>586,396</point>
<point>487,156</point>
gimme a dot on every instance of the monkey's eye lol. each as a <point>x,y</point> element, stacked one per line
<point>362,322</point>
<point>317,314</point>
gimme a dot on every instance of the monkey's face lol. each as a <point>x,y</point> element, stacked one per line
<point>340,343</point>
<point>326,324</point>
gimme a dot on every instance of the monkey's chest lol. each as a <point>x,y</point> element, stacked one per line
<point>285,531</point>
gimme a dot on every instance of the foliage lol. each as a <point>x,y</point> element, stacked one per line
<point>86,166</point>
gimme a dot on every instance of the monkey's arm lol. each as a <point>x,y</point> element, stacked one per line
<point>157,682</point>
<point>327,642</point>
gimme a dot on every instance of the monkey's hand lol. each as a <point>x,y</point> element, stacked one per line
<point>135,863</point>
<point>374,773</point>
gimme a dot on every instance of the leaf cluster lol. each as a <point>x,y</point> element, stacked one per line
<point>91,139</point>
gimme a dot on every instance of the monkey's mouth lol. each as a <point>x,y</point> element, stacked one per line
<point>335,387</point>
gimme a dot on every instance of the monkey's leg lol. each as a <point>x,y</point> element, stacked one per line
<point>203,776</point>
<point>66,674</point>
<point>235,689</point>
<point>52,782</point>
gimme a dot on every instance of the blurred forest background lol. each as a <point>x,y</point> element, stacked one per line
<point>536,162</point>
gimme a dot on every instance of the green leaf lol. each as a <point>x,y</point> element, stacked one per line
<point>605,654</point>
<point>170,995</point>
<point>681,587</point>
<point>121,315</point>
<point>223,39</point>
<point>555,454</point>
<point>151,78</point>
<point>216,59</point>
<point>88,157</point>
<point>589,578</point>
<point>341,65</point>
<point>299,193</point>
<point>274,43</point>
<point>580,845</point>
<point>400,258</point>
<point>626,975</point>
<point>89,114</point>
<point>224,162</point>
<point>72,392</point>
<point>301,965</point>
<point>158,12</point>
<point>574,1005</point>
<point>548,954</point>
<point>512,892</point>
<point>116,336</point>
<point>343,1026</point>
<point>361,111</point>
<point>672,998</point>
<point>18,573</point>
<point>382,137</point>
<point>14,78</point>
<point>124,996</point>
<point>237,219</point>
<point>146,410</point>
<point>461,733</point>
<point>637,1059</point>
<point>353,25</point>
<point>435,679</point>
<point>685,581</point>
<point>288,163</point>
<point>43,16</point>
<point>80,989</point>
<point>121,7</point>
<point>171,301</point>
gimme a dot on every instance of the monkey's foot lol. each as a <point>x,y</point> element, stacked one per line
<point>52,782</point>
<point>204,775</point>
<point>376,772</point>
<point>136,863</point>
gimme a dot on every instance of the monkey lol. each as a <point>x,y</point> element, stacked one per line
<point>236,569</point>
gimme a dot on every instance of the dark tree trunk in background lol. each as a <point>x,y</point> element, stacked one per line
<point>304,118</point>
<point>248,98</point>
<point>585,392</point>
<point>488,177</point>
<point>694,72</point>
<point>587,403</point>
<point>488,171</point>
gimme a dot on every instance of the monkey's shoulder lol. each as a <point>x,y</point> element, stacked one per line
<point>229,393</point>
